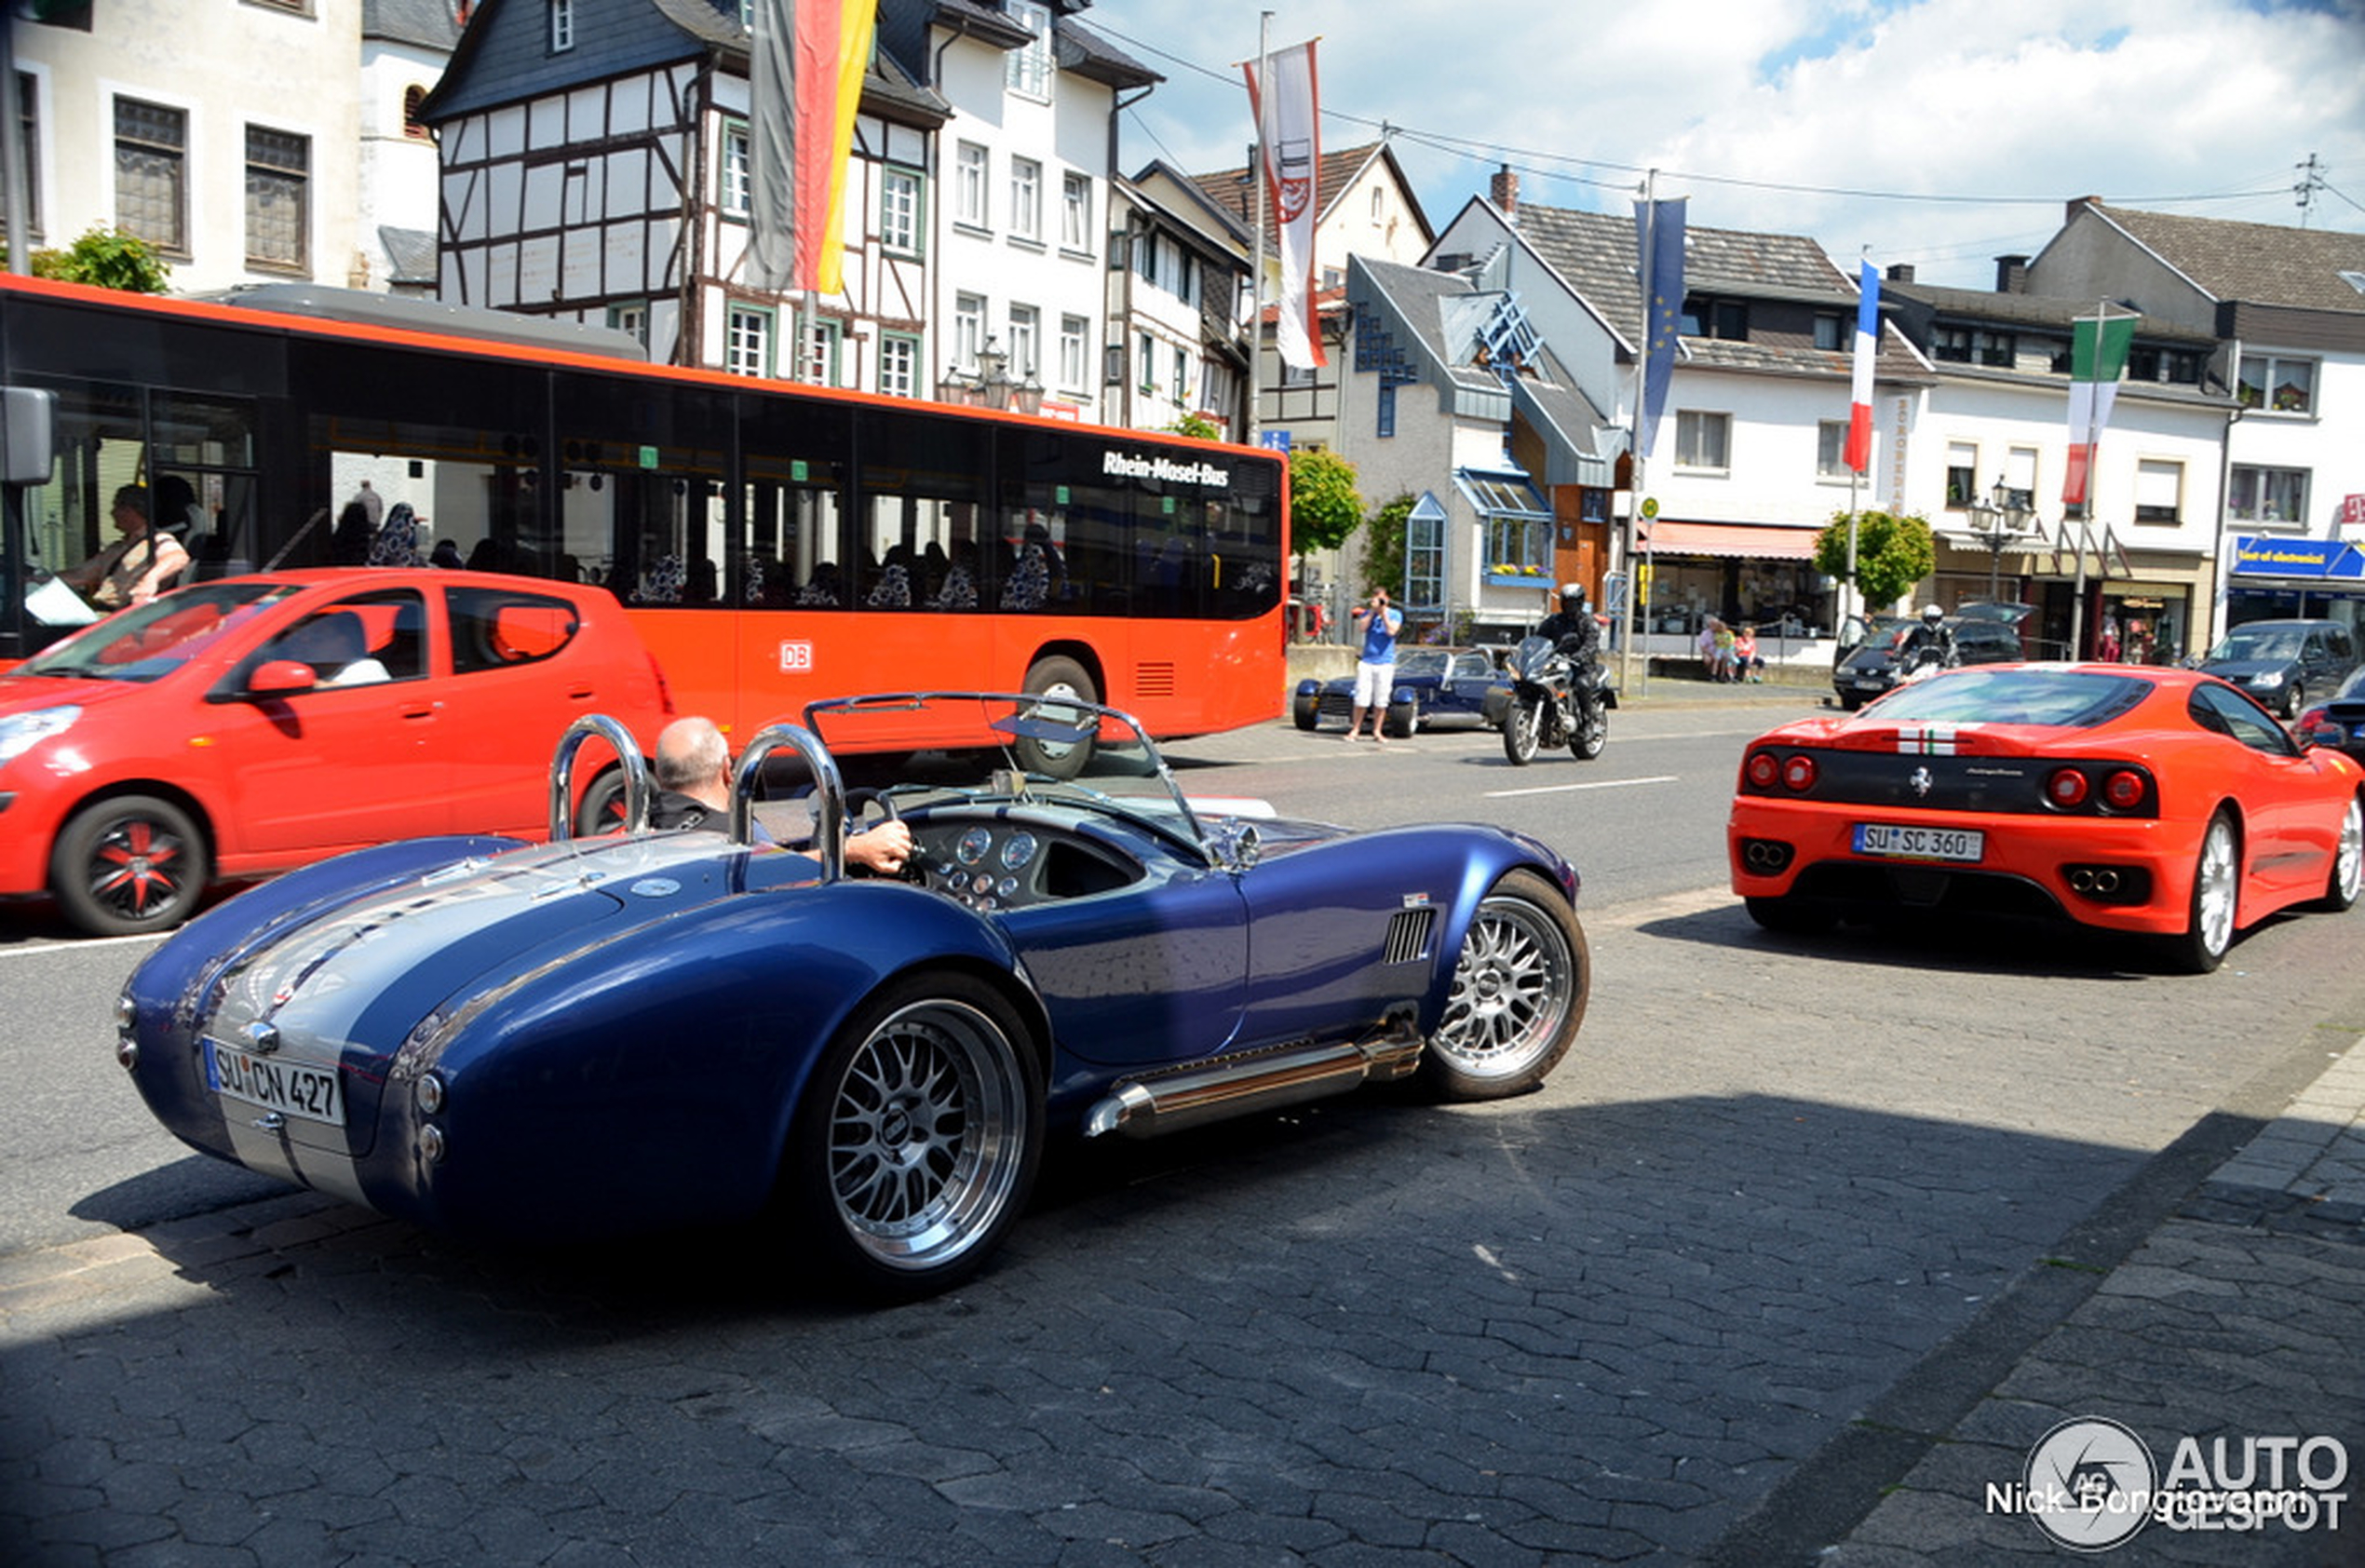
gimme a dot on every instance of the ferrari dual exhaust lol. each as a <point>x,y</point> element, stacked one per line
<point>1239,1086</point>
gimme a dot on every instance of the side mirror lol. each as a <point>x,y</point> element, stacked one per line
<point>278,677</point>
<point>1235,844</point>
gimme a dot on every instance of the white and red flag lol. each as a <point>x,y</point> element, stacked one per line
<point>1860,384</point>
<point>1288,139</point>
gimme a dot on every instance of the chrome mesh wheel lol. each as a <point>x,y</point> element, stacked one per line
<point>1518,991</point>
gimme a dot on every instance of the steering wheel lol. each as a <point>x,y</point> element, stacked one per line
<point>857,801</point>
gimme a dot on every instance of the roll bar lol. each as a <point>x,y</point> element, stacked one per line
<point>828,827</point>
<point>636,775</point>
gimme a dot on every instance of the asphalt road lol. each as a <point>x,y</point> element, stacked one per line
<point>1775,1177</point>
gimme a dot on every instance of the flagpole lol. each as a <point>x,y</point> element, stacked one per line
<point>1635,618</point>
<point>1256,277</point>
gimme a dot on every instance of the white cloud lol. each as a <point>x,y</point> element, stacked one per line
<point>2023,103</point>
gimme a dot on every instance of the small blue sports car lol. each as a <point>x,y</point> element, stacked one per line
<point>648,1029</point>
<point>1432,684</point>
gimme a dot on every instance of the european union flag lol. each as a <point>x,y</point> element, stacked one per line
<point>1659,235</point>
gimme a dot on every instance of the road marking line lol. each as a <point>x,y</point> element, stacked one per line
<point>1595,784</point>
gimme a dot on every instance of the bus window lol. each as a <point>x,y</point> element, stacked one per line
<point>194,455</point>
<point>792,543</point>
<point>925,537</point>
<point>642,490</point>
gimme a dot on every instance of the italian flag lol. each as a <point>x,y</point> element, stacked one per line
<point>2098,357</point>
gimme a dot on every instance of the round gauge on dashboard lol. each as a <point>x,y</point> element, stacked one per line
<point>1018,850</point>
<point>973,846</point>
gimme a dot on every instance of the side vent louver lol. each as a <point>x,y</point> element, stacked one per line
<point>1407,934</point>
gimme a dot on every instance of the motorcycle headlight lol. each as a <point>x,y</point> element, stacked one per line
<point>20,732</point>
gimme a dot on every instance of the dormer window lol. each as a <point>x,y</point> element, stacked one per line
<point>562,26</point>
<point>1028,68</point>
<point>1704,317</point>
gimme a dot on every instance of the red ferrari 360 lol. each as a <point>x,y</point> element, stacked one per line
<point>2161,802</point>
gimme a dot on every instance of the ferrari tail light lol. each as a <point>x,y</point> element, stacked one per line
<point>2067,787</point>
<point>1762,769</point>
<point>1799,775</point>
<point>2124,790</point>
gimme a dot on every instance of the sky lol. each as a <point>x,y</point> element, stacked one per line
<point>1938,134</point>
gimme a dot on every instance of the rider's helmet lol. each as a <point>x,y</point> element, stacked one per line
<point>1572,598</point>
<point>1932,614</point>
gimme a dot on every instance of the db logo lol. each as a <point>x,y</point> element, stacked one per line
<point>795,657</point>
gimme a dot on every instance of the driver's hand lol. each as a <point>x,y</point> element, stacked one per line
<point>881,849</point>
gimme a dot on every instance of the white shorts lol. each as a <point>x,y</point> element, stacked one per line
<point>1374,684</point>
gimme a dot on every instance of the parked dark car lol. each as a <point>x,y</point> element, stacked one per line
<point>2337,721</point>
<point>1875,666</point>
<point>1431,684</point>
<point>2280,662</point>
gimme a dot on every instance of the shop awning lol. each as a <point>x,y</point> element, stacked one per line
<point>1758,541</point>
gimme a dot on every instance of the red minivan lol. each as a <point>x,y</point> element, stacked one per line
<point>244,727</point>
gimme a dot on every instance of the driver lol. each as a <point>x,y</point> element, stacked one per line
<point>1931,636</point>
<point>1573,630</point>
<point>694,785</point>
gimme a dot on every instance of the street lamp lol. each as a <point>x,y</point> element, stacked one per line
<point>2001,518</point>
<point>991,386</point>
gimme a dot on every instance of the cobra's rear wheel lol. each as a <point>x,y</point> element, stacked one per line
<point>1519,994</point>
<point>918,1136</point>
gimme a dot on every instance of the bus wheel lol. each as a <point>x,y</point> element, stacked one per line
<point>1057,677</point>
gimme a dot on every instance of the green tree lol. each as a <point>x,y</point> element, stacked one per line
<point>108,259</point>
<point>1384,547</point>
<point>1324,506</point>
<point>1893,552</point>
<point>1199,426</point>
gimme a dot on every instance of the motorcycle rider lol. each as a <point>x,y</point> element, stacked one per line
<point>1928,645</point>
<point>1573,629</point>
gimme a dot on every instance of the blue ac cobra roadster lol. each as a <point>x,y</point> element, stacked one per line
<point>647,1030</point>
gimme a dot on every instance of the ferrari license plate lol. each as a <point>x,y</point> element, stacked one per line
<point>1919,843</point>
<point>314,1093</point>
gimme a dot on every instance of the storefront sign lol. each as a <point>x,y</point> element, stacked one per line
<point>2267,555</point>
<point>2353,511</point>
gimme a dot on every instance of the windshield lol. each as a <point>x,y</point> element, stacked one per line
<point>2257,642</point>
<point>2069,699</point>
<point>148,641</point>
<point>925,749</point>
<point>1428,661</point>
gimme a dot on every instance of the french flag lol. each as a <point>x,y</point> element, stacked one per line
<point>1859,387</point>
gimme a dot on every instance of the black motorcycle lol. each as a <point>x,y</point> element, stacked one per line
<point>1554,701</point>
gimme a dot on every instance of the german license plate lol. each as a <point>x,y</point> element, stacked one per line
<point>1896,843</point>
<point>1869,683</point>
<point>314,1093</point>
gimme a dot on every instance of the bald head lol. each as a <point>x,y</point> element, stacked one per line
<point>692,756</point>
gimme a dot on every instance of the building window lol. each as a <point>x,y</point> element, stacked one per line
<point>1705,317</point>
<point>413,97</point>
<point>1028,67</point>
<point>1972,345</point>
<point>278,198</point>
<point>1703,441</point>
<point>749,350</point>
<point>898,365</point>
<point>151,174</point>
<point>28,125</point>
<point>1076,213</point>
<point>1962,473</point>
<point>738,164</point>
<point>1026,341</point>
<point>1834,330</point>
<point>1379,206</point>
<point>1513,520</point>
<point>562,26</point>
<point>632,319</point>
<point>2177,366</point>
<point>1148,356</point>
<point>2159,492</point>
<point>1831,449</point>
<point>1026,199</point>
<point>1076,351</point>
<point>899,212</point>
<point>968,329</point>
<point>820,366</point>
<point>2276,385</point>
<point>1384,424</point>
<point>2019,476</point>
<point>1182,376</point>
<point>2269,497</point>
<point>968,185</point>
<point>1146,258</point>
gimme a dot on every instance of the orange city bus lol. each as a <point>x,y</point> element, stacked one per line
<point>775,542</point>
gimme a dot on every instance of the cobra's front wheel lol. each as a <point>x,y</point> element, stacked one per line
<point>1519,994</point>
<point>918,1136</point>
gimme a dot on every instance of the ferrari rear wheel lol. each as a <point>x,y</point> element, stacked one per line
<point>918,1136</point>
<point>129,865</point>
<point>2217,878</point>
<point>1520,990</point>
<point>2347,878</point>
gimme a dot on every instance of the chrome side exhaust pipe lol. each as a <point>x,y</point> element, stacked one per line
<point>1237,1086</point>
